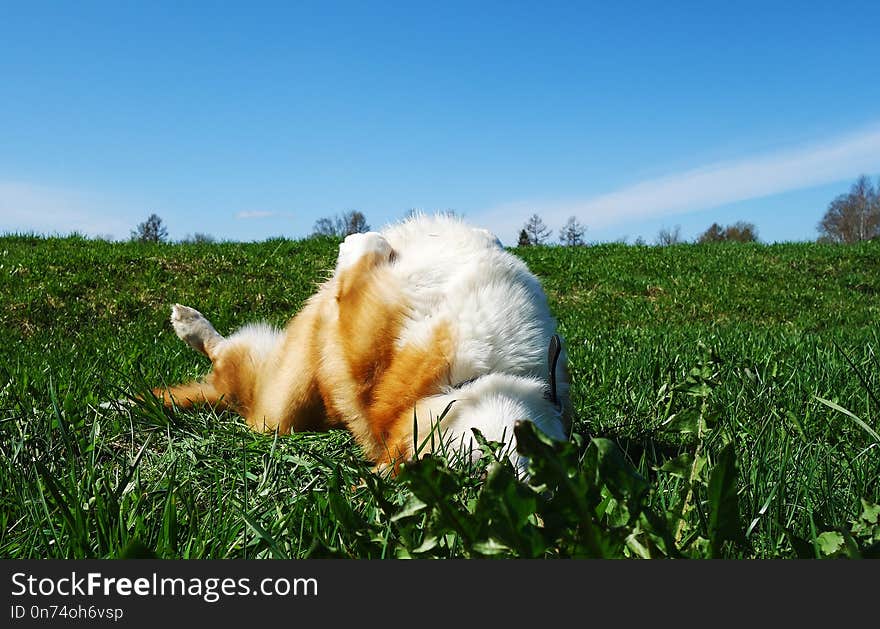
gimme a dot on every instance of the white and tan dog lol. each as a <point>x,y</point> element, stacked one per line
<point>430,315</point>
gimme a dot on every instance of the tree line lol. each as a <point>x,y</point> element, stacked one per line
<point>352,222</point>
<point>851,217</point>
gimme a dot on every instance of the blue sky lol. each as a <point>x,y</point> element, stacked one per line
<point>252,121</point>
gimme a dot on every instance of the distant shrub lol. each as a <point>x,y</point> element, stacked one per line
<point>738,232</point>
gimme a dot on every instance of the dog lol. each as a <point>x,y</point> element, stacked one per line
<point>422,333</point>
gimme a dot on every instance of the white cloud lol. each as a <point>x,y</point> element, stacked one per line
<point>706,187</point>
<point>261,214</point>
<point>254,214</point>
<point>26,207</point>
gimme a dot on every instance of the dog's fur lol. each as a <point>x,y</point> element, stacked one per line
<point>430,315</point>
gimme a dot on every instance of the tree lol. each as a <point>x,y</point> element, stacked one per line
<point>151,230</point>
<point>351,222</point>
<point>523,239</point>
<point>715,233</point>
<point>198,238</point>
<point>354,222</point>
<point>853,216</point>
<point>740,231</point>
<point>536,230</point>
<point>666,236</point>
<point>324,227</point>
<point>572,234</point>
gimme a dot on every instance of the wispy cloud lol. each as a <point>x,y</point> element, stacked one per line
<point>709,186</point>
<point>26,207</point>
<point>261,214</point>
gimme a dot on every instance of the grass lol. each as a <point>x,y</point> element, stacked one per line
<point>726,400</point>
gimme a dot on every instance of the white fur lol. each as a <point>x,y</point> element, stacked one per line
<point>503,326</point>
<point>262,340</point>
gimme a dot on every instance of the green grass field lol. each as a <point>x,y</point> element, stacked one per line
<point>726,399</point>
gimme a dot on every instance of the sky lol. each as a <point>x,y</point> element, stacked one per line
<point>253,120</point>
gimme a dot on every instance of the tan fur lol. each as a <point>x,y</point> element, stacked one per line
<point>190,393</point>
<point>414,373</point>
<point>288,395</point>
<point>337,365</point>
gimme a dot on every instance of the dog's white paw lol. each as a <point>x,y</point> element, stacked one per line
<point>193,328</point>
<point>182,316</point>
<point>356,246</point>
<point>186,321</point>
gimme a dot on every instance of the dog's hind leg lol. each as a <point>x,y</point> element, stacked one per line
<point>197,332</point>
<point>292,396</point>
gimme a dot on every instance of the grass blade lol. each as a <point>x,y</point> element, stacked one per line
<point>852,416</point>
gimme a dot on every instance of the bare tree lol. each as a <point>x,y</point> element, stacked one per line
<point>536,230</point>
<point>324,227</point>
<point>572,234</point>
<point>853,216</point>
<point>354,222</point>
<point>198,238</point>
<point>151,230</point>
<point>666,236</point>
<point>351,222</point>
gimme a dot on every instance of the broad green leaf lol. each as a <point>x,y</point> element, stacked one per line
<point>870,513</point>
<point>430,543</point>
<point>680,466</point>
<point>506,510</point>
<point>724,518</point>
<point>686,422</point>
<point>413,506</point>
<point>830,542</point>
<point>432,481</point>
<point>621,478</point>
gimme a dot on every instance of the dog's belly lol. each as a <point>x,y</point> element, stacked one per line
<point>462,277</point>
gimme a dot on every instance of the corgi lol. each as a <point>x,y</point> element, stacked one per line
<point>422,333</point>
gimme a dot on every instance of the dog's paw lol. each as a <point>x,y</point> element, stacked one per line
<point>193,328</point>
<point>356,246</point>
<point>185,320</point>
<point>181,313</point>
